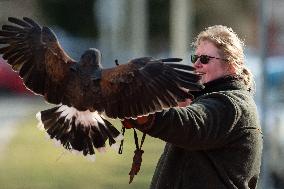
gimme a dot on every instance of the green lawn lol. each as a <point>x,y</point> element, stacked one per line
<point>33,162</point>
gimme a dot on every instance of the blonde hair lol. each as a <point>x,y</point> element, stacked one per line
<point>231,48</point>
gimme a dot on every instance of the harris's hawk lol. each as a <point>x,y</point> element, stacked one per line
<point>83,90</point>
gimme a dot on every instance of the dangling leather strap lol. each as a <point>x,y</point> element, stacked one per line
<point>136,139</point>
<point>121,142</point>
<point>137,158</point>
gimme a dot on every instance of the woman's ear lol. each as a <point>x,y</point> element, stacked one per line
<point>230,68</point>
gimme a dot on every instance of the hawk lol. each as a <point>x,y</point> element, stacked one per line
<point>83,90</point>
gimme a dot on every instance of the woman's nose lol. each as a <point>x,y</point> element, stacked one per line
<point>197,64</point>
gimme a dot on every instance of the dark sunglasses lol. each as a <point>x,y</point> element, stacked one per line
<point>204,59</point>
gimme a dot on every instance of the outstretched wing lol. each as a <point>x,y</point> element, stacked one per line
<point>35,53</point>
<point>145,85</point>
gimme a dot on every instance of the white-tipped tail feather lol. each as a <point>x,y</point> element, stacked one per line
<point>81,131</point>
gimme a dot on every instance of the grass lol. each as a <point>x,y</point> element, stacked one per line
<point>33,162</point>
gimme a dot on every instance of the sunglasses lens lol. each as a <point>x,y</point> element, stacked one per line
<point>204,59</point>
<point>194,58</point>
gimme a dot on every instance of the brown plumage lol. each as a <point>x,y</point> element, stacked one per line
<point>83,90</point>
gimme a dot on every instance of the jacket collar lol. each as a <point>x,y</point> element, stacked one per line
<point>230,82</point>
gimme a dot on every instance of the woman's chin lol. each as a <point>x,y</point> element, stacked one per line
<point>203,79</point>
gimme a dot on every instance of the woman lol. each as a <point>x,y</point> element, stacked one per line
<point>216,141</point>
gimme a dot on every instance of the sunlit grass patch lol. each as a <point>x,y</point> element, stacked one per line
<point>31,161</point>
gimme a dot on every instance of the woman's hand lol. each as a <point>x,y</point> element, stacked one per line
<point>140,121</point>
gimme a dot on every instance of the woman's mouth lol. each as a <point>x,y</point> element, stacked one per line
<point>199,73</point>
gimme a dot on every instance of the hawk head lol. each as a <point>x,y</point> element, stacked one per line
<point>91,59</point>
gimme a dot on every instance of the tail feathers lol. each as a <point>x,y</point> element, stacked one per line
<point>77,130</point>
<point>112,133</point>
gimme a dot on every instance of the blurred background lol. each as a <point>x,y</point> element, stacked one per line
<point>122,30</point>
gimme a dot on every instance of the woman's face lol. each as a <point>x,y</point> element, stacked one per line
<point>215,68</point>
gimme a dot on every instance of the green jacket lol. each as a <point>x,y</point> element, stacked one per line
<point>215,142</point>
